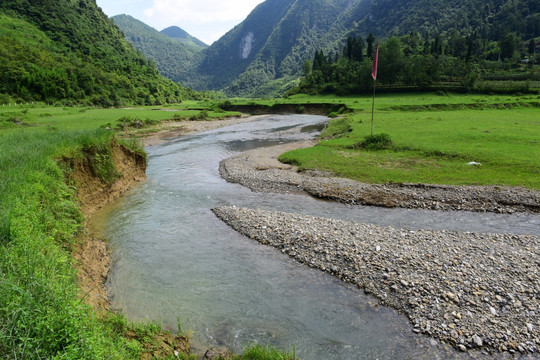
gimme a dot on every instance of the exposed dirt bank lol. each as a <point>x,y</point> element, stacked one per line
<point>91,254</point>
<point>260,170</point>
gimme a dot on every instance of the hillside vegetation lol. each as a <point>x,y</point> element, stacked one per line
<point>182,36</point>
<point>410,62</point>
<point>172,55</point>
<point>264,55</point>
<point>70,51</point>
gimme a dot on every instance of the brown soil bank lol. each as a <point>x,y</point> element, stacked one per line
<point>91,254</point>
<point>314,109</point>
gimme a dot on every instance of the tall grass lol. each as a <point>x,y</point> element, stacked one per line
<point>41,314</point>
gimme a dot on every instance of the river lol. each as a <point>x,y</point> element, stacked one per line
<point>175,262</point>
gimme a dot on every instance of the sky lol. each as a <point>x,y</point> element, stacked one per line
<point>207,20</point>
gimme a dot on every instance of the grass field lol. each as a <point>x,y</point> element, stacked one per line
<point>76,118</point>
<point>433,140</point>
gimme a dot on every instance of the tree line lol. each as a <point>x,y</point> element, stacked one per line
<point>413,61</point>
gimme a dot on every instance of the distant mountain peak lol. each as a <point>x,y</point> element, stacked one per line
<point>180,34</point>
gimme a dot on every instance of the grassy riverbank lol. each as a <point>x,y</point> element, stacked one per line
<point>433,138</point>
<point>42,315</point>
<point>42,310</point>
<point>81,118</point>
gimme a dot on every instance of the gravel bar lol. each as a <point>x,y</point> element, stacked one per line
<point>260,170</point>
<point>471,290</point>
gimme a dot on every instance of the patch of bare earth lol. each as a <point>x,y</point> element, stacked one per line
<point>91,253</point>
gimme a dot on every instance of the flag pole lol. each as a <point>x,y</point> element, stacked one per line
<point>373,105</point>
<point>374,76</point>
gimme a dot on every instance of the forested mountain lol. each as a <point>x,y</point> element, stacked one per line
<point>265,53</point>
<point>181,35</point>
<point>69,50</point>
<point>173,51</point>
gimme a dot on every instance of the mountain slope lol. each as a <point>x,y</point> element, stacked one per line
<point>75,54</point>
<point>264,54</point>
<point>285,33</point>
<point>172,56</point>
<point>181,35</point>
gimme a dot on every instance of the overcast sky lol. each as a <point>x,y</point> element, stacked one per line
<point>207,20</point>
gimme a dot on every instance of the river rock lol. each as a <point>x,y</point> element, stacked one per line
<point>423,276</point>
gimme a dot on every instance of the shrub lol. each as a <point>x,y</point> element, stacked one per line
<point>375,142</point>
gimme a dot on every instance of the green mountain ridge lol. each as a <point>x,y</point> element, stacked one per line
<point>180,34</point>
<point>172,56</point>
<point>264,54</point>
<point>70,51</point>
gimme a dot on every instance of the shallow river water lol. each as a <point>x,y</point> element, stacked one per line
<point>174,261</point>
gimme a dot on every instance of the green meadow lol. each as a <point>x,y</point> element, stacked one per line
<point>433,139</point>
<point>83,118</point>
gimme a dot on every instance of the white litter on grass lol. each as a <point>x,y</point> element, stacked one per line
<point>474,163</point>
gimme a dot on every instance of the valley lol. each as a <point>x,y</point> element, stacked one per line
<point>92,106</point>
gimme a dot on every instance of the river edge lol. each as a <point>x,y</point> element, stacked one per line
<point>260,170</point>
<point>174,129</point>
<point>476,292</point>
<point>92,253</point>
<point>473,306</point>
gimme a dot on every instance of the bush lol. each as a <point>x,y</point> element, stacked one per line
<point>375,142</point>
<point>203,115</point>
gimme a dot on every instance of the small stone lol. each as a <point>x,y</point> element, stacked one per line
<point>433,342</point>
<point>493,311</point>
<point>530,327</point>
<point>462,347</point>
<point>477,340</point>
<point>378,248</point>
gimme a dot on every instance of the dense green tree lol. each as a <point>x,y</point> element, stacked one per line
<point>531,47</point>
<point>391,61</point>
<point>370,40</point>
<point>508,45</point>
<point>71,52</point>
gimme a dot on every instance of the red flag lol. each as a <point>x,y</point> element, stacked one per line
<point>375,63</point>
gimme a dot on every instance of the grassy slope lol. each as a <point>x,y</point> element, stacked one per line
<point>41,313</point>
<point>72,52</point>
<point>434,137</point>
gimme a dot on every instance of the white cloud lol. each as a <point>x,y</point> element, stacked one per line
<point>200,16</point>
<point>204,11</point>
